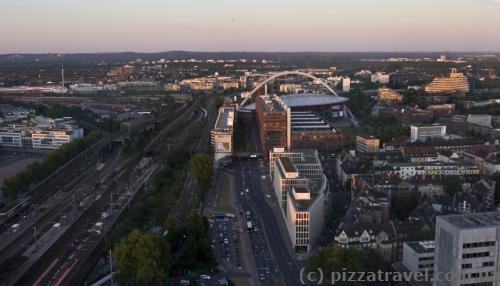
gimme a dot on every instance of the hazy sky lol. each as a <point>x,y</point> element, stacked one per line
<point>251,25</point>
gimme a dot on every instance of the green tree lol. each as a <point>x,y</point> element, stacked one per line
<point>404,203</point>
<point>142,259</point>
<point>201,166</point>
<point>452,185</point>
<point>334,258</point>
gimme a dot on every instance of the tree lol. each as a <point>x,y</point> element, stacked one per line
<point>201,166</point>
<point>452,185</point>
<point>334,258</point>
<point>142,259</point>
<point>404,203</point>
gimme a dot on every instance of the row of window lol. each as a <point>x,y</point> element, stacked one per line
<point>478,244</point>
<point>426,258</point>
<point>426,265</point>
<point>301,229</point>
<point>478,284</point>
<point>477,275</point>
<point>475,255</point>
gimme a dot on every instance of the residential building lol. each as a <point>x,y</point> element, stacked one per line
<point>455,82</point>
<point>367,144</point>
<point>387,94</point>
<point>424,132</point>
<point>434,169</point>
<point>386,238</point>
<point>467,249</point>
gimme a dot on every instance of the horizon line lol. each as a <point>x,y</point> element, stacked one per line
<point>247,52</point>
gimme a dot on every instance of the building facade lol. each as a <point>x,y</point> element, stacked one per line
<point>424,132</point>
<point>455,82</point>
<point>467,248</point>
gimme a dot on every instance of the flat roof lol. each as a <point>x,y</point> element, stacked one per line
<point>224,118</point>
<point>287,164</point>
<point>311,99</point>
<point>475,220</point>
<point>426,246</point>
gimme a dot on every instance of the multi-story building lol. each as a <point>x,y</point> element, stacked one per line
<point>467,249</point>
<point>380,77</point>
<point>291,88</point>
<point>311,132</point>
<point>11,137</point>
<point>274,124</point>
<point>418,257</point>
<point>346,84</point>
<point>387,94</point>
<point>455,82</point>
<point>300,187</point>
<point>40,137</point>
<point>424,132</point>
<point>367,144</point>
<point>386,238</point>
<point>54,138</point>
<point>222,134</point>
<point>434,169</point>
<point>480,119</point>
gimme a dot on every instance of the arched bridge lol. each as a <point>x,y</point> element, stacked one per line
<point>281,74</point>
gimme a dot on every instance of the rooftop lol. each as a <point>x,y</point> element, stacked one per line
<point>225,119</point>
<point>475,220</point>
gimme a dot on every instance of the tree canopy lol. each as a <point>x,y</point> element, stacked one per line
<point>142,259</point>
<point>404,203</point>
<point>201,166</point>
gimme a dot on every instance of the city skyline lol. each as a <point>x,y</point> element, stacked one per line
<point>56,26</point>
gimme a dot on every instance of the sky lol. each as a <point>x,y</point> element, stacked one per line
<point>70,26</point>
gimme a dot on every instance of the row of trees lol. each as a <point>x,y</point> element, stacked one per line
<point>35,172</point>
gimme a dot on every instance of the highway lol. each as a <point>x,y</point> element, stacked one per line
<point>272,258</point>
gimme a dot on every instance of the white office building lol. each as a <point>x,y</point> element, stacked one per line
<point>300,187</point>
<point>467,247</point>
<point>422,133</point>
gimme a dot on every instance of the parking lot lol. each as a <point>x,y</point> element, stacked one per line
<point>226,243</point>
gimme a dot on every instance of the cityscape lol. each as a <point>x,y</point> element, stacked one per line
<point>161,150</point>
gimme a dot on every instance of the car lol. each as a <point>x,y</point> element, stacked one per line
<point>226,241</point>
<point>205,277</point>
<point>246,190</point>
